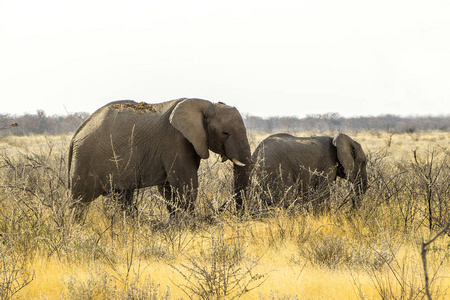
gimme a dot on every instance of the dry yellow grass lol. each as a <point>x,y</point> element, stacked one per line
<point>286,274</point>
<point>364,255</point>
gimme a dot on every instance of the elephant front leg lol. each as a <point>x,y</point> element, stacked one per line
<point>320,195</point>
<point>178,198</point>
<point>167,192</point>
<point>126,199</point>
<point>180,186</point>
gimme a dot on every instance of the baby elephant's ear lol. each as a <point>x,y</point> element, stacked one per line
<point>187,117</point>
<point>346,153</point>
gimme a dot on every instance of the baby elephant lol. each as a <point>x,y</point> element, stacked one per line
<point>291,167</point>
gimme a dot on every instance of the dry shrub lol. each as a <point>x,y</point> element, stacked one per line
<point>328,250</point>
<point>222,270</point>
<point>101,284</point>
<point>14,272</point>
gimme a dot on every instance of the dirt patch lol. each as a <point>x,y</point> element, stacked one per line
<point>142,106</point>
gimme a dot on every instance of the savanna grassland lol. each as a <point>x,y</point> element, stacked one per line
<point>372,252</point>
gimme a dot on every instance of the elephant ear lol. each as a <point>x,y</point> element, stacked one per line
<point>187,117</point>
<point>347,151</point>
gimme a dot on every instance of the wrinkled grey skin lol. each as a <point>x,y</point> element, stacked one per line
<point>308,164</point>
<point>126,145</point>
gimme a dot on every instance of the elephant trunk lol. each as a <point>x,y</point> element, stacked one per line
<point>241,171</point>
<point>241,181</point>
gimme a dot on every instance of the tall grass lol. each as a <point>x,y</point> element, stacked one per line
<point>268,253</point>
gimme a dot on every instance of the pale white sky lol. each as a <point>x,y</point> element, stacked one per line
<point>267,58</point>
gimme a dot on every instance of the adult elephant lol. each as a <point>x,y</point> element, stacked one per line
<point>126,145</point>
<point>291,165</point>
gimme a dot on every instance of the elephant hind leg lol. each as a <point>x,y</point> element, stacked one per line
<point>82,196</point>
<point>79,208</point>
<point>79,211</point>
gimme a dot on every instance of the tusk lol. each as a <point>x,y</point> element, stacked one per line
<point>237,162</point>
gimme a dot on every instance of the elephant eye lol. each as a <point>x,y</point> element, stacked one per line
<point>225,133</point>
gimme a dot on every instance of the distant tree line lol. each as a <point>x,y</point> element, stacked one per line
<point>335,122</point>
<point>40,123</point>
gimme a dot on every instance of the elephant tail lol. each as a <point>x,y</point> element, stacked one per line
<point>69,163</point>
